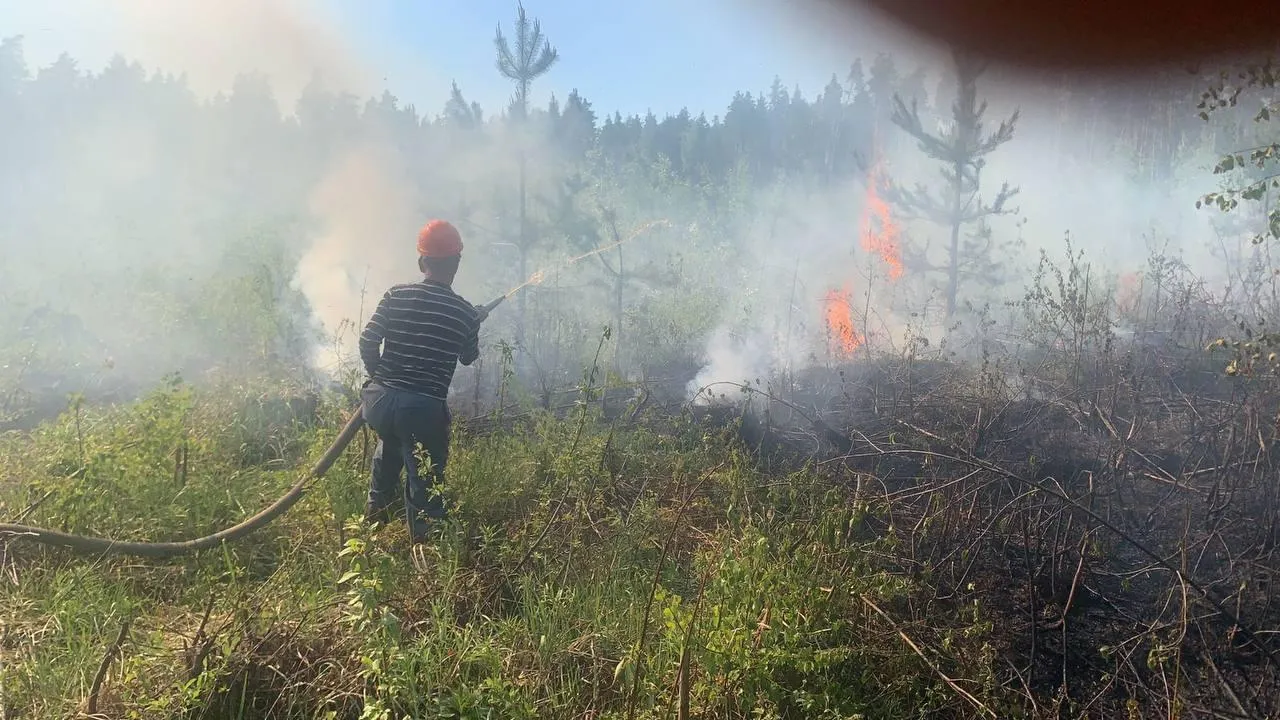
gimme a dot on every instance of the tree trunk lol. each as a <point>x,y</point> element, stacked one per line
<point>524,260</point>
<point>619,282</point>
<point>521,305</point>
<point>953,267</point>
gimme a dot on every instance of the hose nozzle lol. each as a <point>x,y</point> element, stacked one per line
<point>484,310</point>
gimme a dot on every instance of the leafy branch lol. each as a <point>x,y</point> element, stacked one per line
<point>1252,187</point>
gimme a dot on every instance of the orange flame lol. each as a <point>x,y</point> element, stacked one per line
<point>1128,292</point>
<point>879,232</point>
<point>844,336</point>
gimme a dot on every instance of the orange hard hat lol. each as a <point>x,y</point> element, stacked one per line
<point>438,239</point>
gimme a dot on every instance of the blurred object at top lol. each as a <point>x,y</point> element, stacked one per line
<point>1091,35</point>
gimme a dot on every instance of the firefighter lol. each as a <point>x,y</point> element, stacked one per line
<point>410,349</point>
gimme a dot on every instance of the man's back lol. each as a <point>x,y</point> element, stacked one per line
<point>425,329</point>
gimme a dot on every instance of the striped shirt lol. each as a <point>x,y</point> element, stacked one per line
<point>424,329</point>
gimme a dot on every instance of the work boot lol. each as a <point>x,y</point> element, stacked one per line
<point>380,516</point>
<point>425,527</point>
<point>421,533</point>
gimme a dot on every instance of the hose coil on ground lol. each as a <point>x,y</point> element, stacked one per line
<point>102,546</point>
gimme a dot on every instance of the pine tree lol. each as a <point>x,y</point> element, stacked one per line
<point>829,112</point>
<point>577,131</point>
<point>459,114</point>
<point>961,148</point>
<point>530,58</point>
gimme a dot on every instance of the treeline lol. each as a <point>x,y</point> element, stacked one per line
<point>245,132</point>
<point>122,186</point>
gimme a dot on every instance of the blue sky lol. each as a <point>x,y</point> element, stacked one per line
<point>659,54</point>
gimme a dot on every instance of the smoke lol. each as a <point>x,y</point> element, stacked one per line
<point>134,234</point>
<point>1111,206</point>
<point>364,205</point>
<point>209,43</point>
<point>141,230</point>
<point>796,246</point>
<point>741,359</point>
<point>369,206</point>
<point>143,215</point>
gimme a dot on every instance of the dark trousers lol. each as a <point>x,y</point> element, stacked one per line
<point>404,421</point>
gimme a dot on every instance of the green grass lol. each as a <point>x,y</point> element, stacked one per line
<point>568,535</point>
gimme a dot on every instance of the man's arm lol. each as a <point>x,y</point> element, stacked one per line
<point>371,338</point>
<point>471,345</point>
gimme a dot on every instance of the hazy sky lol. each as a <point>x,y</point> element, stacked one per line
<point>658,54</point>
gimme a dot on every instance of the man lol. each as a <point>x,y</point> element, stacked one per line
<point>410,348</point>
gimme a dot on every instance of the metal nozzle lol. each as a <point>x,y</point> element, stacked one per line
<point>494,303</point>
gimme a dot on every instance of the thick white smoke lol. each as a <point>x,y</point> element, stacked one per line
<point>741,359</point>
<point>208,43</point>
<point>364,206</point>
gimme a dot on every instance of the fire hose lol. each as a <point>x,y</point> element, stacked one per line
<point>88,545</point>
<point>96,545</point>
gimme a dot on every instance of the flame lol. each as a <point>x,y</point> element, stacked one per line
<point>879,232</point>
<point>844,336</point>
<point>1128,292</point>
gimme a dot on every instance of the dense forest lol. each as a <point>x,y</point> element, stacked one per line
<point>929,394</point>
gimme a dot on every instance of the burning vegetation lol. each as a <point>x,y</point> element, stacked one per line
<point>879,237</point>
<point>844,336</point>
<point>879,233</point>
